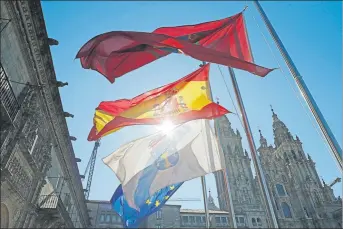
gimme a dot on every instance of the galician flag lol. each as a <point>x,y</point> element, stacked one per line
<point>151,163</point>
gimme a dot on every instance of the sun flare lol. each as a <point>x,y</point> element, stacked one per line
<point>166,126</point>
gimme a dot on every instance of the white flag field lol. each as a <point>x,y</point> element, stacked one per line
<point>151,163</point>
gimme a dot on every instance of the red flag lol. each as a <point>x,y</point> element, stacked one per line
<point>226,35</point>
<point>223,42</point>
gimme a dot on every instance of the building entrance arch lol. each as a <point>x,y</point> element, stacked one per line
<point>4,216</point>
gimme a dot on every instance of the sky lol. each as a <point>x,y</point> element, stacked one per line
<point>311,31</point>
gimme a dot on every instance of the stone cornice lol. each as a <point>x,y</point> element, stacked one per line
<point>36,36</point>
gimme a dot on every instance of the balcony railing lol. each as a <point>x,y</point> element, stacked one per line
<point>8,99</point>
<point>53,203</point>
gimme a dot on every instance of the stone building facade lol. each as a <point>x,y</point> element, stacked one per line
<point>300,199</point>
<point>40,182</point>
<point>102,215</point>
<point>172,216</point>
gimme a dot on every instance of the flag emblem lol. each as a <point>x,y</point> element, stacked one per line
<point>172,105</point>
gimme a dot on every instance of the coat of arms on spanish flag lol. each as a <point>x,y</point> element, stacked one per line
<point>178,102</point>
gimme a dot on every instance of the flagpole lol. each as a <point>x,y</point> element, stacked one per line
<point>227,183</point>
<point>204,189</point>
<point>224,171</point>
<point>324,127</point>
<point>256,159</point>
<point>204,193</point>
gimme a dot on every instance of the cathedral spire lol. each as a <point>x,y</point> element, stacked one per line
<point>263,141</point>
<point>281,132</point>
<point>275,118</point>
<point>210,201</point>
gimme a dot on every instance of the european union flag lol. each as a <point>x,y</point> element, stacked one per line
<point>131,217</point>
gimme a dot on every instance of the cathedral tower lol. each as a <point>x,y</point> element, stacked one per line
<point>245,196</point>
<point>299,198</point>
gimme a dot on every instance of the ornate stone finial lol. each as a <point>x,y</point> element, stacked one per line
<point>67,114</point>
<point>72,138</point>
<point>297,138</point>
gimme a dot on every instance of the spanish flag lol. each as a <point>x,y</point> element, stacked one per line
<point>181,101</point>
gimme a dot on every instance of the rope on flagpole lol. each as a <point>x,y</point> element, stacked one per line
<point>292,86</point>
<point>233,103</point>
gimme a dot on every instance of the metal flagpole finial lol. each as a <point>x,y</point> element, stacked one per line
<point>246,7</point>
<point>217,100</point>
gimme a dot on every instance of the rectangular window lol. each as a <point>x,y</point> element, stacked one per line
<point>185,219</point>
<point>224,220</point>
<point>240,221</point>
<point>198,219</point>
<point>203,219</point>
<point>114,218</point>
<point>192,219</point>
<point>158,226</point>
<point>108,218</point>
<point>102,218</point>
<point>217,220</point>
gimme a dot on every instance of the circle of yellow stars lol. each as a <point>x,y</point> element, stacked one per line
<point>157,202</point>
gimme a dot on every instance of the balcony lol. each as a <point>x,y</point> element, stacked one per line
<point>9,102</point>
<point>9,105</point>
<point>51,207</point>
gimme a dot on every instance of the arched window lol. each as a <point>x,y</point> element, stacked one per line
<point>280,190</point>
<point>286,210</point>
<point>294,156</point>
<point>259,222</point>
<point>253,221</point>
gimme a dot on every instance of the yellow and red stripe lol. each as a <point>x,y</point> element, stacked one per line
<point>181,101</point>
